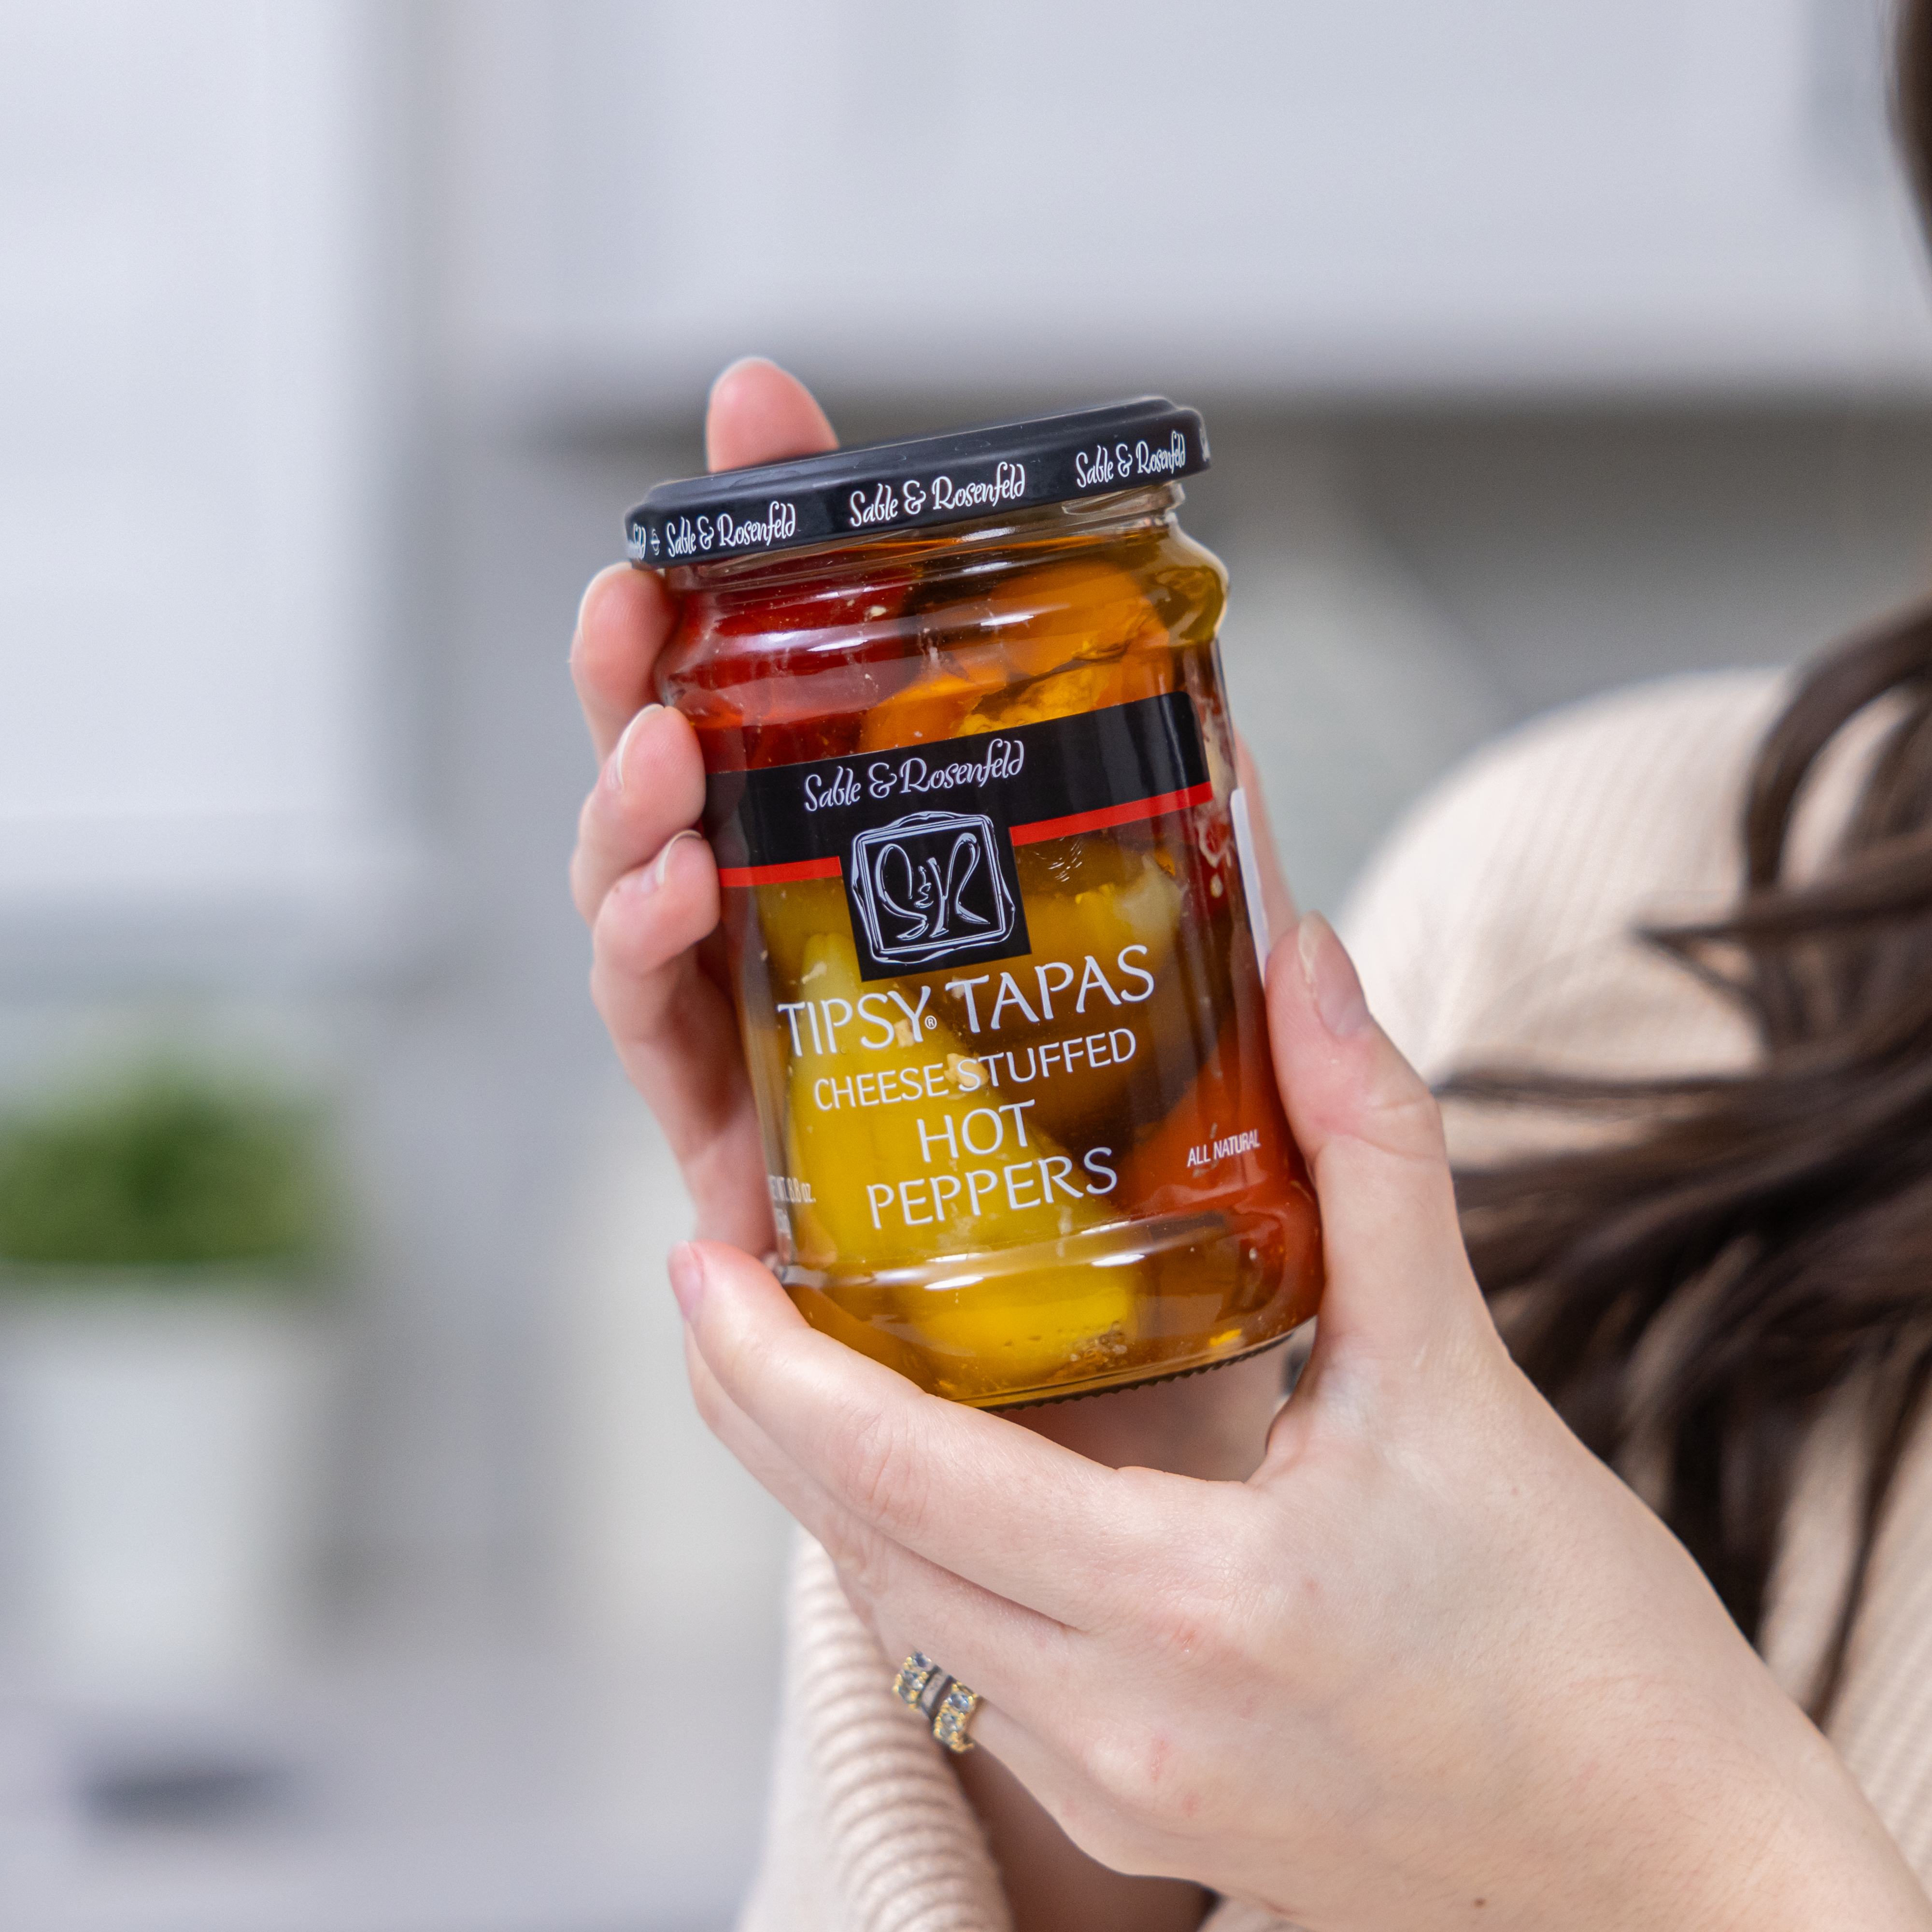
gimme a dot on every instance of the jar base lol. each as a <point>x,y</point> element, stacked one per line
<point>1001,1404</point>
<point>1107,1308</point>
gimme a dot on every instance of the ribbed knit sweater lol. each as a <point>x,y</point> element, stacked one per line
<point>1495,926</point>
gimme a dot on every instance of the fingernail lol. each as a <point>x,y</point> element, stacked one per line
<point>653,876</point>
<point>731,369</point>
<point>1331,974</point>
<point>590,591</point>
<point>616,765</point>
<point>687,1278</point>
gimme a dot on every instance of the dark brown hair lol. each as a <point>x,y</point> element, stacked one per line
<point>1691,1292</point>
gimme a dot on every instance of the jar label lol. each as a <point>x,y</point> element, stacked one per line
<point>923,835</point>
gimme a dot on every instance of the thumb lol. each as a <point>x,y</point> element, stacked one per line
<point>1399,1284</point>
<point>1277,902</point>
<point>758,413</point>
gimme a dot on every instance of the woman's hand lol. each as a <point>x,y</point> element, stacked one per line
<point>1433,1665</point>
<point>648,888</point>
<point>642,879</point>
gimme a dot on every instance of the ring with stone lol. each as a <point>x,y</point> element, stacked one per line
<point>941,1700</point>
<point>915,1674</point>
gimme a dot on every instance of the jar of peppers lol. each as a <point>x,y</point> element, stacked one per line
<point>989,907</point>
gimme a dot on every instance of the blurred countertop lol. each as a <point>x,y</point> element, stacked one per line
<point>454,1786</point>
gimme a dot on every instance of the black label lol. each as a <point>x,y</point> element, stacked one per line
<point>923,836</point>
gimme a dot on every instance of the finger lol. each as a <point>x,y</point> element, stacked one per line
<point>1093,1749</point>
<point>1105,1891</point>
<point>622,623</point>
<point>1043,1683</point>
<point>993,1503</point>
<point>1001,1649</point>
<point>1015,1658</point>
<point>758,413</point>
<point>1398,1279</point>
<point>1277,901</point>
<point>651,787</point>
<point>677,1036</point>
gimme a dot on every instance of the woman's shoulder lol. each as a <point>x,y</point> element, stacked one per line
<point>1497,920</point>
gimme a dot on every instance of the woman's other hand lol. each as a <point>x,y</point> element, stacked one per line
<point>1433,1665</point>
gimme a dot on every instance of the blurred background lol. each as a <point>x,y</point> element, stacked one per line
<point>382,1580</point>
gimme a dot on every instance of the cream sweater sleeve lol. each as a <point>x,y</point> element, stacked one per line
<point>1495,924</point>
<point>867,1829</point>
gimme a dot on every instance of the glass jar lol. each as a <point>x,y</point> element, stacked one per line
<point>989,910</point>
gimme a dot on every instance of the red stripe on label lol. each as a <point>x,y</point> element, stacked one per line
<point>1112,815</point>
<point>778,875</point>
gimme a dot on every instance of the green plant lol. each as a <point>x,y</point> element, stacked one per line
<point>169,1171</point>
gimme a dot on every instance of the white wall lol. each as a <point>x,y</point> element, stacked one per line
<point>1286,199</point>
<point>192,461</point>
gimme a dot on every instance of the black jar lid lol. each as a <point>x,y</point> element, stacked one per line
<point>880,487</point>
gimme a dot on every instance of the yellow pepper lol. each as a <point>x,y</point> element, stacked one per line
<point>927,1159</point>
<point>1088,623</point>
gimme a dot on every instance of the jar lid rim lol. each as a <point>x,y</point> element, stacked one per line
<point>875,490</point>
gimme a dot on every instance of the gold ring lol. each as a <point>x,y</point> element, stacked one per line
<point>943,1700</point>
